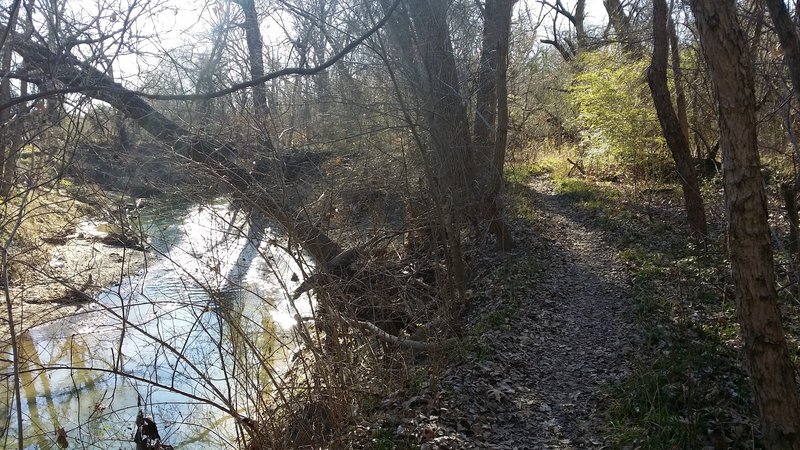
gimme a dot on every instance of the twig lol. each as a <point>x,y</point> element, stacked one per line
<point>576,165</point>
<point>10,312</point>
<point>399,341</point>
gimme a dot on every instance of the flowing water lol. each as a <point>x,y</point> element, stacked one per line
<point>202,331</point>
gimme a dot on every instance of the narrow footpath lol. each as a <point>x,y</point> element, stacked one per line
<point>541,379</point>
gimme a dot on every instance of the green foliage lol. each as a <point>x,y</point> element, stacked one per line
<point>681,398</point>
<point>616,113</point>
<point>519,172</point>
<point>595,197</point>
<point>577,190</point>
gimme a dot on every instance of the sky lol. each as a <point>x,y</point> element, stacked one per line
<point>595,12</point>
<point>176,24</point>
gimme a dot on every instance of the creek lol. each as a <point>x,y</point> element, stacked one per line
<point>203,330</point>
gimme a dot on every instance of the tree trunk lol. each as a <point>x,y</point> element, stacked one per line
<point>790,203</point>
<point>491,113</point>
<point>255,57</point>
<point>205,75</point>
<point>771,369</point>
<point>214,155</point>
<point>676,140</point>
<point>581,37</point>
<point>571,50</point>
<point>319,44</point>
<point>445,108</point>
<point>677,78</point>
<point>8,150</point>
<point>622,25</point>
<point>451,164</point>
<point>790,42</point>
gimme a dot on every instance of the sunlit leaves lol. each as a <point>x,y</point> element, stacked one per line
<point>616,112</point>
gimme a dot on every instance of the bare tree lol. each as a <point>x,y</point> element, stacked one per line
<point>8,146</point>
<point>566,45</point>
<point>256,62</point>
<point>491,112</point>
<point>626,34</point>
<point>771,369</point>
<point>208,67</point>
<point>215,155</point>
<point>677,77</point>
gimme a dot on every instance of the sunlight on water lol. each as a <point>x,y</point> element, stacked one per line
<point>180,337</point>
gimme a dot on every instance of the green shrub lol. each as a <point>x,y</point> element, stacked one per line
<point>616,115</point>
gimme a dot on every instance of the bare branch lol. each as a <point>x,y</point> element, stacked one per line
<point>399,341</point>
<point>220,93</point>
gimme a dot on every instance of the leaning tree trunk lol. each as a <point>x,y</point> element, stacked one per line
<point>677,141</point>
<point>214,155</point>
<point>491,113</point>
<point>771,369</point>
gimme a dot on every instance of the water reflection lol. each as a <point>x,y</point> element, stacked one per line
<point>193,339</point>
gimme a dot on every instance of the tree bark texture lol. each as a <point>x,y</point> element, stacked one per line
<point>677,141</point>
<point>771,370</point>
<point>445,108</point>
<point>214,155</point>
<point>491,113</point>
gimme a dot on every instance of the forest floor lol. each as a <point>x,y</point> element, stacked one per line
<point>605,328</point>
<point>552,330</point>
<point>563,345</point>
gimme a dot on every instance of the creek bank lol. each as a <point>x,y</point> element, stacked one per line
<point>68,269</point>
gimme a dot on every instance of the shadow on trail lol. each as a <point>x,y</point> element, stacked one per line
<point>677,290</point>
<point>566,337</point>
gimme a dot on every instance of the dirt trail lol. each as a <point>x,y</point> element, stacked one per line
<point>547,372</point>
